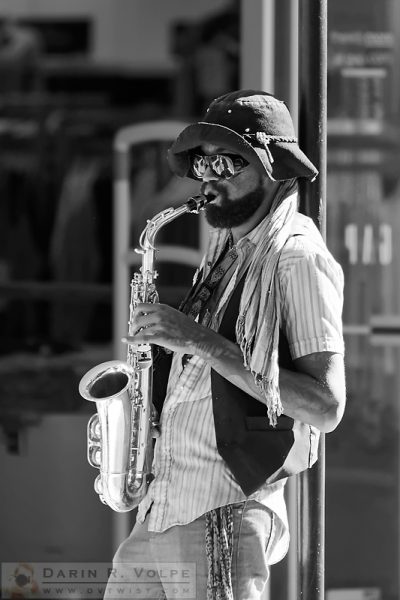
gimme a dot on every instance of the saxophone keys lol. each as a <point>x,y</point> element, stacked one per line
<point>94,428</point>
<point>144,359</point>
<point>94,456</point>
<point>94,441</point>
<point>98,488</point>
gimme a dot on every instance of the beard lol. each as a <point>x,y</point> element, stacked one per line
<point>232,213</point>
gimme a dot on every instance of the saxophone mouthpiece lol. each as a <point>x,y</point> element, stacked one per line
<point>196,203</point>
<point>208,198</point>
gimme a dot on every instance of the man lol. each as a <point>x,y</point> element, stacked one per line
<point>257,366</point>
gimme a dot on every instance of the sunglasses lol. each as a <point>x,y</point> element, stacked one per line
<point>222,165</point>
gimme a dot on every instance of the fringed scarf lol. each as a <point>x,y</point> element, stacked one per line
<point>257,326</point>
<point>219,550</point>
<point>257,332</point>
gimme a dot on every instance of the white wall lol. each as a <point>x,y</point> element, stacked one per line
<point>125,31</point>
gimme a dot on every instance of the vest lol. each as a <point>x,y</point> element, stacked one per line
<point>255,452</point>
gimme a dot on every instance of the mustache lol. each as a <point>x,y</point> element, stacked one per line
<point>216,187</point>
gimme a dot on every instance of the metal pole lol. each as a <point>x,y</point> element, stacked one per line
<point>312,134</point>
<point>313,104</point>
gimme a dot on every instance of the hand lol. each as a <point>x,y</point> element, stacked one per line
<point>165,326</point>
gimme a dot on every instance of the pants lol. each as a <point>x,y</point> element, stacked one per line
<point>173,564</point>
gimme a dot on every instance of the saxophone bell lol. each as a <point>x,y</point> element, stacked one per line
<point>114,437</point>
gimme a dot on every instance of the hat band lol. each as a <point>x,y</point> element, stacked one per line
<point>265,140</point>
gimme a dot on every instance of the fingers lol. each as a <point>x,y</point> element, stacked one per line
<point>144,317</point>
<point>162,325</point>
<point>128,339</point>
<point>148,308</point>
<point>147,314</point>
<point>142,338</point>
<point>154,319</point>
<point>156,308</point>
<point>143,320</point>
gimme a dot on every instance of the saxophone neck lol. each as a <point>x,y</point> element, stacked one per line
<point>147,238</point>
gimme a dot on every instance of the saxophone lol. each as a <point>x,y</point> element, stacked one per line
<point>119,436</point>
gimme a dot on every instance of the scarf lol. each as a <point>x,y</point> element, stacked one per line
<point>219,550</point>
<point>257,326</point>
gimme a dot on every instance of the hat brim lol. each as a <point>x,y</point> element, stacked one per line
<point>288,161</point>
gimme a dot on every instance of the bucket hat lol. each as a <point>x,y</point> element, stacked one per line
<point>255,125</point>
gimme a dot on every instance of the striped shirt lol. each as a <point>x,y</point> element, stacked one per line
<point>191,478</point>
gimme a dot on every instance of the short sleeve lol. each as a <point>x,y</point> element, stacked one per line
<point>311,288</point>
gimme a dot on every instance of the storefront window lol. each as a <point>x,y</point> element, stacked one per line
<point>362,537</point>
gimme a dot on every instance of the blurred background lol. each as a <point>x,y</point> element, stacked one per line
<point>73,73</point>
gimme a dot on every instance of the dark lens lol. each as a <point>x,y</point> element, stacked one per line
<point>222,165</point>
<point>239,163</point>
<point>198,165</point>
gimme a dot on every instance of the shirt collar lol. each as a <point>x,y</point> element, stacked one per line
<point>254,236</point>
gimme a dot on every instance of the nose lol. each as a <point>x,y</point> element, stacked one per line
<point>209,175</point>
